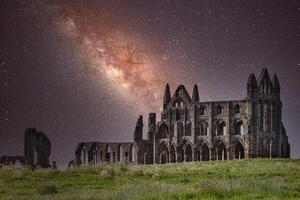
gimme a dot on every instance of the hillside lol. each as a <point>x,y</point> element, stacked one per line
<point>245,179</point>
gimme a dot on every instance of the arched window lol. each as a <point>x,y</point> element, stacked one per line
<point>177,115</point>
<point>204,152</point>
<point>96,155</point>
<point>173,156</point>
<point>239,151</point>
<point>84,156</point>
<point>237,109</point>
<point>163,153</point>
<point>203,128</point>
<point>220,151</point>
<point>201,110</point>
<point>188,152</point>
<point>219,109</point>
<point>221,128</point>
<point>239,128</point>
<point>163,131</point>
<point>179,131</point>
<point>197,129</point>
<point>188,129</point>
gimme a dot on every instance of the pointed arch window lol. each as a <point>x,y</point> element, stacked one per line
<point>203,128</point>
<point>221,128</point>
<point>237,109</point>
<point>219,109</point>
<point>239,128</point>
<point>201,110</point>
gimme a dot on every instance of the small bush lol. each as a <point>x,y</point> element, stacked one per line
<point>46,188</point>
<point>123,167</point>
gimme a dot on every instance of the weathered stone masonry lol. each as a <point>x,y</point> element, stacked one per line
<point>37,150</point>
<point>190,130</point>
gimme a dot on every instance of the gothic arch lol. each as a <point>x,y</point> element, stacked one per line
<point>202,109</point>
<point>188,128</point>
<point>204,152</point>
<point>82,156</point>
<point>187,151</point>
<point>120,153</point>
<point>238,127</point>
<point>219,109</point>
<point>238,150</point>
<point>163,153</point>
<point>237,109</point>
<point>220,150</point>
<point>94,154</point>
<point>221,128</point>
<point>181,95</point>
<point>163,131</point>
<point>173,153</point>
<point>204,128</point>
<point>108,153</point>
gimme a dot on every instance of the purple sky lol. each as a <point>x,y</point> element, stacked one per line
<point>51,78</point>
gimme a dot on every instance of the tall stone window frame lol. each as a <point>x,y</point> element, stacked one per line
<point>219,109</point>
<point>237,109</point>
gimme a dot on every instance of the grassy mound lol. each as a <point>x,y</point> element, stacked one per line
<point>245,179</point>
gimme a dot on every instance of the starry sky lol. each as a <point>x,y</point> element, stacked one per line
<point>84,70</point>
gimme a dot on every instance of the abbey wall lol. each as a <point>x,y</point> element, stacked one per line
<point>191,130</point>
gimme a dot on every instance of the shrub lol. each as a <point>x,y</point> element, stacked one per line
<point>123,167</point>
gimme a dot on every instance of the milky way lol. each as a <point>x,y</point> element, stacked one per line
<point>84,70</point>
<point>112,52</point>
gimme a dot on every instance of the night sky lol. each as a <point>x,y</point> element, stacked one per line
<point>84,70</point>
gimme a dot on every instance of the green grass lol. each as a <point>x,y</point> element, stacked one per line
<point>245,179</point>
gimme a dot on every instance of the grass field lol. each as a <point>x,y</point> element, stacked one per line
<point>244,179</point>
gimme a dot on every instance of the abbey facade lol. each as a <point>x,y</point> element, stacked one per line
<point>191,130</point>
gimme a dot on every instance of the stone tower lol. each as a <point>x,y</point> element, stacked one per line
<point>138,132</point>
<point>268,131</point>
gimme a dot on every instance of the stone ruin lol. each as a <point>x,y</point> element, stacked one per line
<point>191,130</point>
<point>37,150</point>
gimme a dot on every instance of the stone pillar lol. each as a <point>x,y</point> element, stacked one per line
<point>200,154</point>
<point>227,153</point>
<point>154,151</point>
<point>193,156</point>
<point>271,143</point>
<point>175,132</point>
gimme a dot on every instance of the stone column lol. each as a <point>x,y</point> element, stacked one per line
<point>193,156</point>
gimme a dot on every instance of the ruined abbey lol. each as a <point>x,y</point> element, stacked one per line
<point>37,150</point>
<point>191,130</point>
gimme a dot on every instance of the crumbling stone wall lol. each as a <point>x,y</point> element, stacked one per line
<point>37,148</point>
